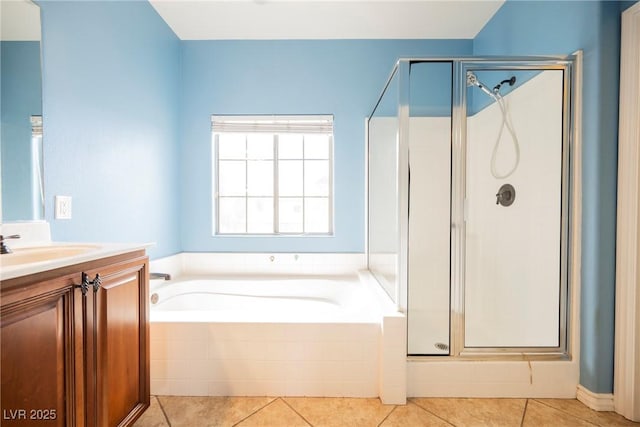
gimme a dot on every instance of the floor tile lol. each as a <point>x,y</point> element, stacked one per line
<point>327,412</point>
<point>210,411</point>
<point>277,413</point>
<point>540,415</point>
<point>414,416</point>
<point>153,416</point>
<point>578,409</point>
<point>475,412</point>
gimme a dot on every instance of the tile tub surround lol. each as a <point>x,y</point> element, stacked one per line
<point>203,263</point>
<point>287,411</point>
<point>264,359</point>
<point>353,358</point>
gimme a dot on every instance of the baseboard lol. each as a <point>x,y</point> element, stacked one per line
<point>595,401</point>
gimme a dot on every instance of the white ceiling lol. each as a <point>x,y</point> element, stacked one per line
<point>326,19</point>
<point>19,20</point>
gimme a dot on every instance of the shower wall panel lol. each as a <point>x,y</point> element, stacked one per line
<point>429,234</point>
<point>513,275</point>
<point>383,196</point>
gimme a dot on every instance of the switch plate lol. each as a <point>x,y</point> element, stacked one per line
<point>63,207</point>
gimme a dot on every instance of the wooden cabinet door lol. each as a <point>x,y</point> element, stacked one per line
<point>119,321</point>
<point>38,374</point>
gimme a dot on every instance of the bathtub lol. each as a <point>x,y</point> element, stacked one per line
<point>263,299</point>
<point>267,335</point>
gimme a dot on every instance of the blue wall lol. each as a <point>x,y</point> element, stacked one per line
<point>111,74</point>
<point>562,27</point>
<point>430,89</point>
<point>339,77</point>
<point>21,95</point>
<point>127,107</point>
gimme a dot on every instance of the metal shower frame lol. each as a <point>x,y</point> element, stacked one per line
<point>460,66</point>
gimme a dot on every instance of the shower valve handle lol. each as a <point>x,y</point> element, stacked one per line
<point>505,195</point>
<point>501,196</point>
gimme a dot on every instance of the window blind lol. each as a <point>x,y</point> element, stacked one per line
<point>272,124</point>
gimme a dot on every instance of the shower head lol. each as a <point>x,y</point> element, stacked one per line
<point>472,80</point>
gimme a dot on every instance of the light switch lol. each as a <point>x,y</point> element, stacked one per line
<point>63,207</point>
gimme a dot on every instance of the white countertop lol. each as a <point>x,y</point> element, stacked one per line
<point>93,251</point>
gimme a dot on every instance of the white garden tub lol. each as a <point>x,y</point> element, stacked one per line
<point>264,299</point>
<point>279,335</point>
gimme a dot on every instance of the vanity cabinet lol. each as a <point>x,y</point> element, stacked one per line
<point>75,344</point>
<point>37,366</point>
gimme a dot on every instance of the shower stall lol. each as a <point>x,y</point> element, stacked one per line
<point>469,204</point>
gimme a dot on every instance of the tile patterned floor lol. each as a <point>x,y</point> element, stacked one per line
<point>174,411</point>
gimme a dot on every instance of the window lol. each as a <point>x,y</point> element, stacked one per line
<point>273,174</point>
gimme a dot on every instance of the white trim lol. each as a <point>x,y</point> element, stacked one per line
<point>595,401</point>
<point>575,233</point>
<point>575,208</point>
<point>627,340</point>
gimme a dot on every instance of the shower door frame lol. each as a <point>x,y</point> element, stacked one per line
<point>570,223</point>
<point>458,230</point>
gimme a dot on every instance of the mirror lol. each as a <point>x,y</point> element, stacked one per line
<point>21,112</point>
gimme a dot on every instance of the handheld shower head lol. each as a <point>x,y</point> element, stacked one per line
<point>472,80</point>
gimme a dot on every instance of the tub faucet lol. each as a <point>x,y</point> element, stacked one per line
<point>4,249</point>
<point>165,276</point>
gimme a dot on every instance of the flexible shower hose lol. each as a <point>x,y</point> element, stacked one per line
<point>506,123</point>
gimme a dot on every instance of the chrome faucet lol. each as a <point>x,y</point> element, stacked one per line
<point>4,249</point>
<point>165,276</point>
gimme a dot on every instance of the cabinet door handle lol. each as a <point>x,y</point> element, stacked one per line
<point>96,283</point>
<point>84,286</point>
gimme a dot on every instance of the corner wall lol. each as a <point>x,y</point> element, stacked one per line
<point>110,96</point>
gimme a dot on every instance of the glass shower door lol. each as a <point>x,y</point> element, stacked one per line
<point>515,208</point>
<point>428,302</point>
<point>382,139</point>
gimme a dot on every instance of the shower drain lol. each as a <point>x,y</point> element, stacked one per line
<point>441,346</point>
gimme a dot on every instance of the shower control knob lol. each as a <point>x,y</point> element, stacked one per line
<point>506,195</point>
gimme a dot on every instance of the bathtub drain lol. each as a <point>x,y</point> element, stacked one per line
<point>154,298</point>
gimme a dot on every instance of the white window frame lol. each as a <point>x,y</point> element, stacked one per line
<point>274,125</point>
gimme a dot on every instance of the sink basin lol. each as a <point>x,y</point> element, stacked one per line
<point>21,256</point>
